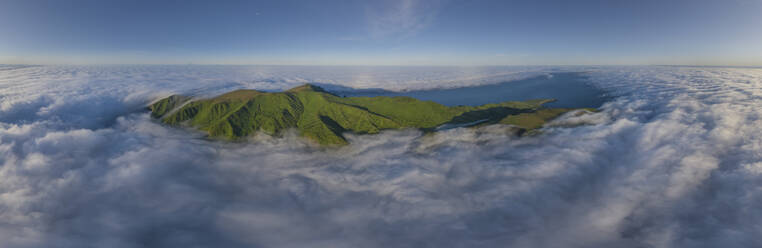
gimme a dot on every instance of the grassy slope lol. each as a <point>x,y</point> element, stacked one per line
<point>323,117</point>
<point>166,105</point>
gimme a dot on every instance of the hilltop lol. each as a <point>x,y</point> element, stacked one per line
<point>324,117</point>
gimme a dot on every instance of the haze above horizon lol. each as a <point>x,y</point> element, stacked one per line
<point>396,32</point>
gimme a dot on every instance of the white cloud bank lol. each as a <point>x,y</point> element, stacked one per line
<point>674,161</point>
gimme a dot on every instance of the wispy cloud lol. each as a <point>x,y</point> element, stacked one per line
<point>400,18</point>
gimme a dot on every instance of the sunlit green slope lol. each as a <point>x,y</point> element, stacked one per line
<point>323,117</point>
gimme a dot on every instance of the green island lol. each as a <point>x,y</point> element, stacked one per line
<point>323,117</point>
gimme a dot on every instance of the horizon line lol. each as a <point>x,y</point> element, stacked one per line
<point>373,65</point>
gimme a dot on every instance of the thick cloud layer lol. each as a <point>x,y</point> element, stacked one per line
<point>675,160</point>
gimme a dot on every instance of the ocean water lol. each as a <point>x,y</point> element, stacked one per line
<point>570,89</point>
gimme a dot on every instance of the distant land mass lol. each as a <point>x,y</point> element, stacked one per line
<point>323,117</point>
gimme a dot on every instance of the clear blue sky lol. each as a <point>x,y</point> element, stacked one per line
<point>393,32</point>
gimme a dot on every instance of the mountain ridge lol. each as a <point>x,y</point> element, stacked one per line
<point>323,117</point>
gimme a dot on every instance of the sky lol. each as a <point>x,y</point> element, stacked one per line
<point>394,32</point>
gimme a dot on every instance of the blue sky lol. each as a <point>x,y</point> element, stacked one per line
<point>394,32</point>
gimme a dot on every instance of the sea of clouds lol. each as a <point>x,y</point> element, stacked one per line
<point>674,160</point>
